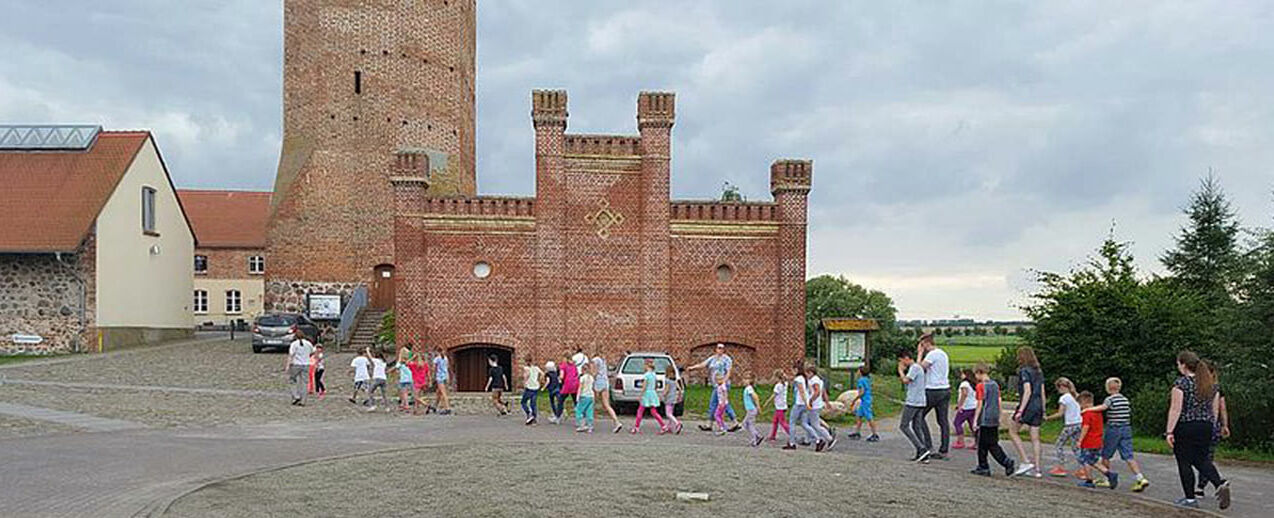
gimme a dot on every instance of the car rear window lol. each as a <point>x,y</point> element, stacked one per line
<point>637,365</point>
<point>275,320</point>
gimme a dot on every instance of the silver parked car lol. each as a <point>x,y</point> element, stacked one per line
<point>628,385</point>
<point>277,330</point>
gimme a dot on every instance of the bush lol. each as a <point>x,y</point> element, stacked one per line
<point>1149,408</point>
<point>1249,408</point>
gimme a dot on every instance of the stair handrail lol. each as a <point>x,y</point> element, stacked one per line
<point>357,301</point>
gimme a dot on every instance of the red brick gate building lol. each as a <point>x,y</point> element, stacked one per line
<point>600,258</point>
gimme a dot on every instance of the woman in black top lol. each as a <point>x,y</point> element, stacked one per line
<point>1029,412</point>
<point>1189,430</point>
<point>497,383</point>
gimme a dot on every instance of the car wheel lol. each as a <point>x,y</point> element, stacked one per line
<point>256,349</point>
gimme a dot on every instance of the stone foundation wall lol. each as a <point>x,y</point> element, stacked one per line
<point>40,296</point>
<point>284,296</point>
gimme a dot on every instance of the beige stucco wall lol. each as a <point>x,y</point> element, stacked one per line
<point>251,291</point>
<point>137,288</point>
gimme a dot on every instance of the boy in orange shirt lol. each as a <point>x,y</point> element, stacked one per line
<point>1090,445</point>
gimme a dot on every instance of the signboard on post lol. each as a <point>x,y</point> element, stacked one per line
<point>848,350</point>
<point>323,307</point>
<point>21,339</point>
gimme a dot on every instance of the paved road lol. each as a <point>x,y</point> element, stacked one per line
<point>140,472</point>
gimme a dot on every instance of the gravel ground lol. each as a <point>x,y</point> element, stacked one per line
<point>503,479</point>
<point>221,364</point>
<point>15,427</point>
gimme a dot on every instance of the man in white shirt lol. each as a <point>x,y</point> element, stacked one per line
<point>937,389</point>
<point>298,368</point>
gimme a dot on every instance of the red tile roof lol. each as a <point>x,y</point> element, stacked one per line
<point>227,219</point>
<point>49,200</point>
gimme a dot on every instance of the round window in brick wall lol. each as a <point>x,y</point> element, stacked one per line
<point>481,269</point>
<point>724,273</point>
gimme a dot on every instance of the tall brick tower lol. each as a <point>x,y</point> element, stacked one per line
<point>369,87</point>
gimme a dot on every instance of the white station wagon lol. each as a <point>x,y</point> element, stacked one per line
<point>627,387</point>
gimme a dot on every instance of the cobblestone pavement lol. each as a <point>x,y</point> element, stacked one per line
<point>15,427</point>
<point>200,438</point>
<point>592,479</point>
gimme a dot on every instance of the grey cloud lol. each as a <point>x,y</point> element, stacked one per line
<point>951,140</point>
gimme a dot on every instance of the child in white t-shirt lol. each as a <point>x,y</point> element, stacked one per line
<point>779,398</point>
<point>1072,424</point>
<point>966,407</point>
<point>361,367</point>
<point>379,380</point>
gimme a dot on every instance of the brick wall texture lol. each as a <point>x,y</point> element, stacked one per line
<point>602,259</point>
<point>331,215</point>
<point>228,263</point>
<point>377,167</point>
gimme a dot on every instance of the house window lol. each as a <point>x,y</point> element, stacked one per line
<point>148,210</point>
<point>256,265</point>
<point>234,302</point>
<point>201,301</point>
<point>201,264</point>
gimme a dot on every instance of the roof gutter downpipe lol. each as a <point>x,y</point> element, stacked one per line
<point>76,346</point>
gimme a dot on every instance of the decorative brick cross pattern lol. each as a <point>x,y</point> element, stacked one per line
<point>604,219</point>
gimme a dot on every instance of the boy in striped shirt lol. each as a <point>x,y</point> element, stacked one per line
<point>1118,436</point>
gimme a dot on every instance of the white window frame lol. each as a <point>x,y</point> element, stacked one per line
<point>148,210</point>
<point>234,302</point>
<point>205,264</point>
<point>201,302</point>
<point>256,265</point>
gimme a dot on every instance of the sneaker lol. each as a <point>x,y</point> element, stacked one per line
<point>820,446</point>
<point>854,436</point>
<point>1187,502</point>
<point>1223,496</point>
<point>1088,484</point>
<point>736,428</point>
<point>958,446</point>
<point>1103,483</point>
<point>351,400</point>
<point>580,429</point>
<point>618,428</point>
<point>705,428</point>
<point>1058,471</point>
<point>922,456</point>
<point>873,438</point>
<point>300,403</point>
<point>1010,469</point>
<point>1023,468</point>
<point>983,472</point>
<point>830,444</point>
<point>633,431</point>
<point>938,456</point>
<point>720,433</point>
<point>757,442</point>
<point>371,408</point>
<point>529,420</point>
<point>663,431</point>
<point>295,401</point>
<point>1114,479</point>
<point>1036,473</point>
<point>678,432</point>
<point>789,447</point>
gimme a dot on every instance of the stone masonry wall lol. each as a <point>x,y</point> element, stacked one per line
<point>40,296</point>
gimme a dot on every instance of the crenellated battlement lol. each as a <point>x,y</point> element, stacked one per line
<point>548,107</point>
<point>507,206</point>
<point>791,175</point>
<point>656,109</point>
<point>609,145</point>
<point>693,210</point>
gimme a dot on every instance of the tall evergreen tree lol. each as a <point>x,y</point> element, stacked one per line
<point>1206,255</point>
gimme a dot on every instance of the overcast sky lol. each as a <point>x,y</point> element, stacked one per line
<point>957,145</point>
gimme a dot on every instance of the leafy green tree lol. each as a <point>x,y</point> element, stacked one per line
<point>1101,320</point>
<point>835,296</point>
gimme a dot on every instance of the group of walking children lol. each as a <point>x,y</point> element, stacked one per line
<point>1093,433</point>
<point>412,368</point>
<point>586,382</point>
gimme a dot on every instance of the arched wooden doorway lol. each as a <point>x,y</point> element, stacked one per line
<point>383,278</point>
<point>470,365</point>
